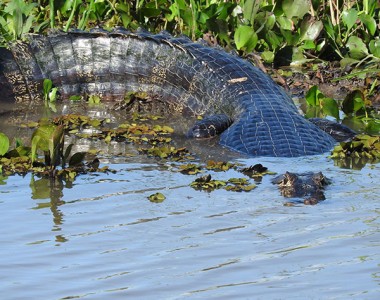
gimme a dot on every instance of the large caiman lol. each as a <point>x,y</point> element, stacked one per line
<point>252,114</point>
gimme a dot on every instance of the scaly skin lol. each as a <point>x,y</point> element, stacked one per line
<point>188,77</point>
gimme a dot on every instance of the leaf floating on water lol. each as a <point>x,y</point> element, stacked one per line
<point>256,171</point>
<point>190,169</point>
<point>157,198</point>
<point>205,183</point>
<point>165,152</point>
<point>356,153</point>
<point>219,166</point>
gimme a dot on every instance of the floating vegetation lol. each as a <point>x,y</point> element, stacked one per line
<point>256,171</point>
<point>75,122</point>
<point>357,107</point>
<point>57,162</point>
<point>157,198</point>
<point>239,185</point>
<point>166,152</point>
<point>205,183</point>
<point>365,146</point>
<point>216,166</point>
<point>357,153</point>
<point>190,169</point>
<point>219,166</point>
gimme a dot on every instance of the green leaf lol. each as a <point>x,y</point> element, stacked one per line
<point>369,23</point>
<point>297,56</point>
<point>357,48</point>
<point>35,141</point>
<point>329,27</point>
<point>77,159</point>
<point>373,127</point>
<point>75,98</point>
<point>310,29</point>
<point>295,8</point>
<point>285,23</point>
<point>292,38</point>
<point>47,85</point>
<point>267,18</point>
<point>48,138</point>
<point>349,18</point>
<point>314,112</point>
<point>347,61</point>
<point>330,107</point>
<point>308,44</point>
<point>273,39</point>
<point>317,100</point>
<point>250,9</point>
<point>56,141</point>
<point>245,38</point>
<point>4,144</point>
<point>353,102</point>
<point>157,198</point>
<point>270,21</point>
<point>53,95</point>
<point>267,56</point>
<point>41,136</point>
<point>374,47</point>
<point>150,12</point>
<point>94,99</point>
<point>313,96</point>
<point>66,154</point>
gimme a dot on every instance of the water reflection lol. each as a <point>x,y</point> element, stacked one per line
<point>354,163</point>
<point>52,189</point>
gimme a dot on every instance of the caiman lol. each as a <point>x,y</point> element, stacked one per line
<point>310,185</point>
<point>252,114</point>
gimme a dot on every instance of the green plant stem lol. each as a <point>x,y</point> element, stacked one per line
<point>71,16</point>
<point>51,13</point>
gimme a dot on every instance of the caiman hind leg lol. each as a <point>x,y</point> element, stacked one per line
<point>210,126</point>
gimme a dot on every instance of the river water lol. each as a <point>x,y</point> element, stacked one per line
<point>101,238</point>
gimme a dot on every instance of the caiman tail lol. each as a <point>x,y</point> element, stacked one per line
<point>252,113</point>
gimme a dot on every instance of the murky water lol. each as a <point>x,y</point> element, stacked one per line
<point>101,238</point>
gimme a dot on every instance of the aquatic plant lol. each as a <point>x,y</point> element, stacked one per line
<point>48,138</point>
<point>296,27</point>
<point>358,109</point>
<point>206,183</point>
